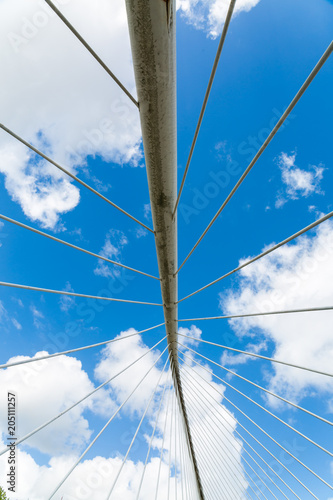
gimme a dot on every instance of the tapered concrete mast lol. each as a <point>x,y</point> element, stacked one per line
<point>152,27</point>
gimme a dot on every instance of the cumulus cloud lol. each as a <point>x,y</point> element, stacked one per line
<point>55,384</point>
<point>209,15</point>
<point>298,275</point>
<point>116,357</point>
<point>66,104</point>
<point>298,182</point>
<point>92,478</point>
<point>49,386</point>
<point>115,241</point>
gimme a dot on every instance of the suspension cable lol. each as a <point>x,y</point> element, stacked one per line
<point>168,383</point>
<point>103,429</point>
<point>74,177</point>
<point>299,94</point>
<point>40,358</point>
<point>267,411</point>
<point>73,294</point>
<point>257,355</point>
<point>204,104</point>
<point>260,387</point>
<point>19,441</point>
<point>92,52</point>
<point>262,430</point>
<point>250,315</point>
<point>220,421</point>
<point>137,431</point>
<point>115,263</point>
<point>266,252</point>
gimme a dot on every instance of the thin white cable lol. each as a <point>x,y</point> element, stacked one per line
<point>189,473</point>
<point>238,465</point>
<point>266,252</point>
<point>49,356</point>
<point>249,315</point>
<point>180,454</point>
<point>204,104</point>
<point>218,414</point>
<point>58,240</point>
<point>137,431</point>
<point>92,52</point>
<point>175,454</point>
<point>170,444</point>
<point>277,418</point>
<point>203,468</point>
<point>261,429</point>
<point>261,388</point>
<point>184,471</point>
<point>73,294</point>
<point>258,355</point>
<point>152,437</point>
<point>74,177</point>
<point>162,449</point>
<point>80,401</point>
<point>216,473</point>
<point>293,103</point>
<point>233,445</point>
<point>103,429</point>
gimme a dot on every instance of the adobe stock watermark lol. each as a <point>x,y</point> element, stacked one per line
<point>32,25</point>
<point>101,474</point>
<point>221,179</point>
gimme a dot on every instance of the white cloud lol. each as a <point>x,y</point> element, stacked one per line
<point>298,182</point>
<point>18,301</point>
<point>55,384</point>
<point>228,359</point>
<point>147,211</point>
<point>2,235</point>
<point>3,312</point>
<point>68,106</point>
<point>115,241</point>
<point>17,325</point>
<point>43,390</point>
<point>117,356</point>
<point>209,15</point>
<point>193,331</point>
<point>37,316</point>
<point>141,232</point>
<point>91,480</point>
<point>298,275</point>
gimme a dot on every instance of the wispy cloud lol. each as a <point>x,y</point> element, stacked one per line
<point>67,302</point>
<point>114,242</point>
<point>298,182</point>
<point>17,325</point>
<point>210,15</point>
<point>37,316</point>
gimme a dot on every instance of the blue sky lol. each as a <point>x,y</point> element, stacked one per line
<point>55,96</point>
